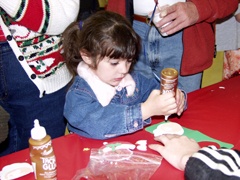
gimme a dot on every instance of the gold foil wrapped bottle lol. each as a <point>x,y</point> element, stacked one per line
<point>169,82</point>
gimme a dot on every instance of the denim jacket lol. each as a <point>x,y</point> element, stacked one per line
<point>87,117</point>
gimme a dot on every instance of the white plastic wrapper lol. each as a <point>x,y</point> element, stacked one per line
<point>116,162</point>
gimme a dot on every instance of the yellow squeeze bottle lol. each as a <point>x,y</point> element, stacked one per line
<point>42,154</point>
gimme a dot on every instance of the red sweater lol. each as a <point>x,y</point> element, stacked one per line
<point>2,37</point>
<point>198,39</point>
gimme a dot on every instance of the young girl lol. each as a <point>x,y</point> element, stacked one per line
<point>105,100</point>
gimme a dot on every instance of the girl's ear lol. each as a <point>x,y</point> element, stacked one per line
<point>86,58</point>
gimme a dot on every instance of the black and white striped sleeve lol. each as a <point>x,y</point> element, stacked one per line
<point>211,163</point>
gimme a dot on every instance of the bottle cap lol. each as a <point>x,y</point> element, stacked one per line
<point>38,132</point>
<point>169,73</point>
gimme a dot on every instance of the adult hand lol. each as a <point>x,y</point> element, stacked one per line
<point>175,149</point>
<point>181,15</point>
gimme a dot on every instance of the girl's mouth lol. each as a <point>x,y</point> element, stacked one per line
<point>118,79</point>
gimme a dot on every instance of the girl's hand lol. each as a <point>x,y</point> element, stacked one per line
<point>180,100</point>
<point>156,104</point>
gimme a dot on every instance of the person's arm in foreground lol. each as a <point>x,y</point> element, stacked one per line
<point>198,163</point>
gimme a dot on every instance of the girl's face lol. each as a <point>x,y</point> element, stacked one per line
<point>112,71</point>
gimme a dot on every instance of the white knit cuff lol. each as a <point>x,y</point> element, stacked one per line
<point>11,7</point>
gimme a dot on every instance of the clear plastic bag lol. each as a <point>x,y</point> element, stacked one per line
<point>119,163</point>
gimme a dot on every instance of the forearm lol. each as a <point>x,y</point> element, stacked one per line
<point>105,122</point>
<point>210,10</point>
<point>208,162</point>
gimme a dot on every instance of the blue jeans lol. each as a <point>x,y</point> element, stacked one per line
<point>160,52</point>
<point>20,98</point>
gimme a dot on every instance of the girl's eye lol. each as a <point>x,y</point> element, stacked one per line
<point>114,63</point>
<point>130,60</point>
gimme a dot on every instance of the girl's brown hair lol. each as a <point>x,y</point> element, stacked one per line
<point>103,34</point>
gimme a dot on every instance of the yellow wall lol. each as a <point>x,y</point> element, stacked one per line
<point>102,3</point>
<point>214,74</point>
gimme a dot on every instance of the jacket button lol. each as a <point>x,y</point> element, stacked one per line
<point>135,124</point>
<point>20,58</point>
<point>33,76</point>
<point>9,37</point>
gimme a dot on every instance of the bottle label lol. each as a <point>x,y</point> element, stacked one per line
<point>49,163</point>
<point>44,146</point>
<point>168,85</point>
<point>44,161</point>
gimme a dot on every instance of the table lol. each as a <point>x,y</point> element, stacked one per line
<point>213,110</point>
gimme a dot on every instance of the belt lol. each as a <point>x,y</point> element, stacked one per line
<point>144,19</point>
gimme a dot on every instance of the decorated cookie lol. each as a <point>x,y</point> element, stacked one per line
<point>168,128</point>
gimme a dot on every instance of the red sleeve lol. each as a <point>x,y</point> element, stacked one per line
<point>199,39</point>
<point>118,6</point>
<point>210,10</point>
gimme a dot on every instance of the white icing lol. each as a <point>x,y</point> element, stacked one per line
<point>141,142</point>
<point>142,147</point>
<point>168,128</point>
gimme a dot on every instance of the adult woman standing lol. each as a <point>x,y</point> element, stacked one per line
<point>34,76</point>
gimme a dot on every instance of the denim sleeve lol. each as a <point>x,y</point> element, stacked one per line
<point>87,117</point>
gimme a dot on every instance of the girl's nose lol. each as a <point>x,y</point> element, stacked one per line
<point>124,68</point>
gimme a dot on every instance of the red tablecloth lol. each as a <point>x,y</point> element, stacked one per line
<point>214,111</point>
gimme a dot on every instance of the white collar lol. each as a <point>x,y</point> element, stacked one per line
<point>104,92</point>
